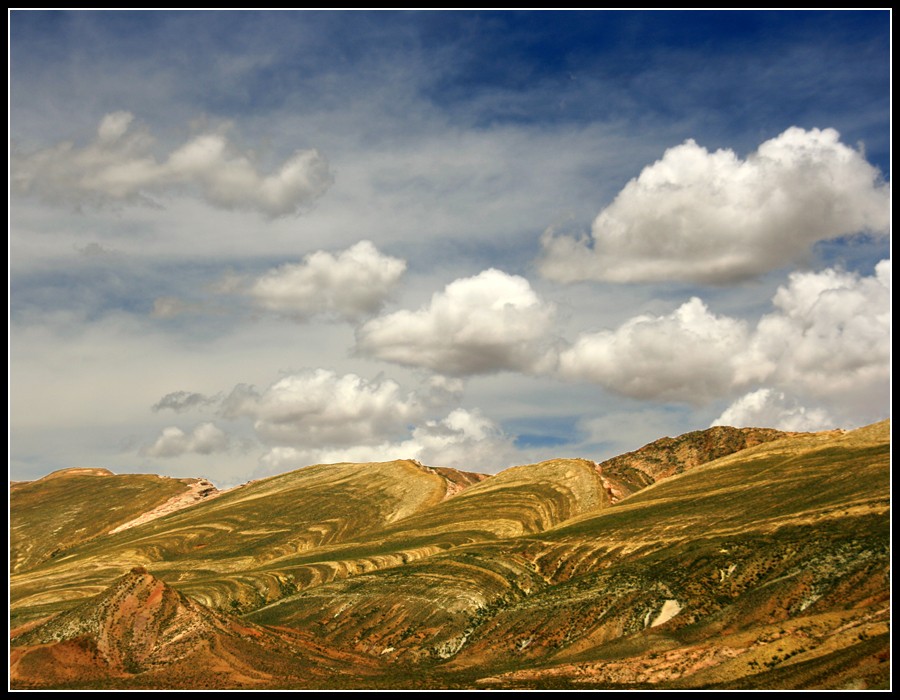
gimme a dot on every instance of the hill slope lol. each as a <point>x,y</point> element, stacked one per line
<point>630,472</point>
<point>60,510</point>
<point>766,567</point>
<point>796,528</point>
<point>238,531</point>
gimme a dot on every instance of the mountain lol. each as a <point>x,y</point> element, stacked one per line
<point>722,558</point>
<point>60,510</point>
<point>141,628</point>
<point>632,471</point>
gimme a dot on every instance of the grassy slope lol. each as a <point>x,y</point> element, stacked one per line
<point>521,500</point>
<point>66,508</point>
<point>793,528</point>
<point>777,555</point>
<point>797,530</point>
<point>238,531</point>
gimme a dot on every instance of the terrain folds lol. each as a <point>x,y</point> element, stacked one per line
<point>722,558</point>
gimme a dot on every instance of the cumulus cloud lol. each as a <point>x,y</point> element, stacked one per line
<point>205,439</point>
<point>353,283</point>
<point>686,356</point>
<point>773,409</point>
<point>464,439</point>
<point>821,358</point>
<point>708,217</point>
<point>319,408</point>
<point>119,166</point>
<point>829,338</point>
<point>476,325</point>
<point>180,401</point>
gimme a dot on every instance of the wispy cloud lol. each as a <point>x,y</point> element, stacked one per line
<point>180,401</point>
<point>320,407</point>
<point>118,166</point>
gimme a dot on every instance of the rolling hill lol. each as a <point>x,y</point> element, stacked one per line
<point>722,558</point>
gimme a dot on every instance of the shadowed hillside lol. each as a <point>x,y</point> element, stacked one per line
<point>765,567</point>
<point>140,632</point>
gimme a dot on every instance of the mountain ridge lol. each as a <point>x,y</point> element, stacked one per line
<point>532,577</point>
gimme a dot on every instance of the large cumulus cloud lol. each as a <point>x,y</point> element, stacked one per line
<point>827,344</point>
<point>351,284</point>
<point>708,217</point>
<point>686,356</point>
<point>490,322</point>
<point>119,166</point>
<point>819,359</point>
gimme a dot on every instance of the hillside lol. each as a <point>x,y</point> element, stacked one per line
<point>633,471</point>
<point>59,511</point>
<point>749,558</point>
<point>141,627</point>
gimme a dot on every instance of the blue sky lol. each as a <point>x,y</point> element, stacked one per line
<point>242,242</point>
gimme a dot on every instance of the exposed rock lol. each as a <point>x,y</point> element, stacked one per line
<point>198,490</point>
<point>630,472</point>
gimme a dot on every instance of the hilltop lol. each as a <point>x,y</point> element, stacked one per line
<point>743,558</point>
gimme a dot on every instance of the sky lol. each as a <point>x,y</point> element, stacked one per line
<point>246,242</point>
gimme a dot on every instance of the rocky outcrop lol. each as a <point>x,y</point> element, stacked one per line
<point>630,472</point>
<point>198,490</point>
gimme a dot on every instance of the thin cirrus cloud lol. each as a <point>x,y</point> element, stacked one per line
<point>477,325</point>
<point>322,408</point>
<point>204,439</point>
<point>119,166</point>
<point>463,439</point>
<point>704,217</point>
<point>351,284</point>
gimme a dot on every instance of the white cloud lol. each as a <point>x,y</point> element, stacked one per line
<point>321,408</point>
<point>769,408</point>
<point>119,166</point>
<point>713,218</point>
<point>820,359</point>
<point>829,339</point>
<point>464,440</point>
<point>685,356</point>
<point>353,283</point>
<point>476,325</point>
<point>205,439</point>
